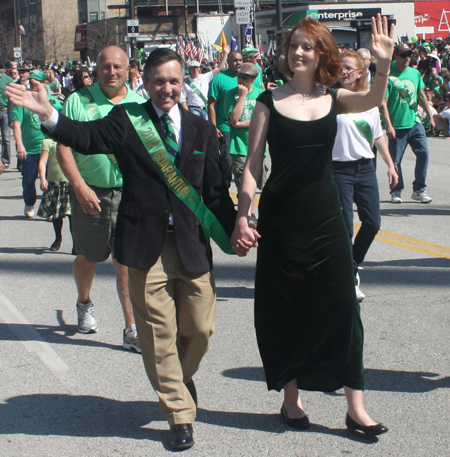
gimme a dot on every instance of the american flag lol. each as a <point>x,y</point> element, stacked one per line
<point>21,29</point>
<point>200,53</point>
<point>189,49</point>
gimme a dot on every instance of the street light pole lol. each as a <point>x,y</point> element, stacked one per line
<point>132,39</point>
<point>16,25</point>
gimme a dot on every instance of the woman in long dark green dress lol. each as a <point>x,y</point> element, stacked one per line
<point>307,318</point>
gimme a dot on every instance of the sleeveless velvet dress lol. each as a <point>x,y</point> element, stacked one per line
<point>307,317</point>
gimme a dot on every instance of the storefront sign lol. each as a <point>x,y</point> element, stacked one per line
<point>432,19</point>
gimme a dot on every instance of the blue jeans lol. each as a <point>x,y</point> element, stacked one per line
<point>357,182</point>
<point>6,137</point>
<point>199,111</point>
<point>417,139</point>
<point>29,176</point>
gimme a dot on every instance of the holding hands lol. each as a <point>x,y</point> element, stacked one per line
<point>244,237</point>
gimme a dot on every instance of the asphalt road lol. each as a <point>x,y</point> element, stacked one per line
<point>66,394</point>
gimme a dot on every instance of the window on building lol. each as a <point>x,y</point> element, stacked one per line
<point>93,17</point>
<point>83,17</point>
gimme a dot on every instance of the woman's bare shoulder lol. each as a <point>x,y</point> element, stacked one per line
<point>281,92</point>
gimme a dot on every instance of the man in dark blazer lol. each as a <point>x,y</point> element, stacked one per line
<point>161,241</point>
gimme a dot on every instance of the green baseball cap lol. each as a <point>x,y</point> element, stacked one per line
<point>246,52</point>
<point>39,75</point>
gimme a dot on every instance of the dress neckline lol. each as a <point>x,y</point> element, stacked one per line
<point>301,120</point>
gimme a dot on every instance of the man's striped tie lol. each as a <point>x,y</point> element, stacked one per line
<point>171,139</point>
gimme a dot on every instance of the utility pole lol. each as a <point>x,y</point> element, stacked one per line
<point>16,25</point>
<point>132,39</point>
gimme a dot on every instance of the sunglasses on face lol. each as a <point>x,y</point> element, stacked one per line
<point>349,70</point>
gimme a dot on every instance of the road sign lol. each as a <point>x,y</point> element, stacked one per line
<point>242,3</point>
<point>133,28</point>
<point>17,53</point>
<point>242,16</point>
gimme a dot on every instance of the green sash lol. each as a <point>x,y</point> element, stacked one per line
<point>197,91</point>
<point>96,112</point>
<point>176,182</point>
<point>363,127</point>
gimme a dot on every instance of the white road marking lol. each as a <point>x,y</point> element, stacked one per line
<point>29,337</point>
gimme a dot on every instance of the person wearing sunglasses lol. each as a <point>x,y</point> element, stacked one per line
<point>403,124</point>
<point>82,79</point>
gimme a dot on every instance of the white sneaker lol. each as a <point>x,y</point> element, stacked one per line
<point>396,197</point>
<point>421,197</point>
<point>130,339</point>
<point>86,320</point>
<point>359,295</point>
<point>29,211</point>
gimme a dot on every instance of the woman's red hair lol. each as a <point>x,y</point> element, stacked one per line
<point>329,66</point>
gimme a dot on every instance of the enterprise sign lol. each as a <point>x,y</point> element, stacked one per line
<point>269,20</point>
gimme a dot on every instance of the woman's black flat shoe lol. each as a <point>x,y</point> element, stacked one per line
<point>370,430</point>
<point>301,424</point>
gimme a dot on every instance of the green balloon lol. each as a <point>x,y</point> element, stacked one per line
<point>414,39</point>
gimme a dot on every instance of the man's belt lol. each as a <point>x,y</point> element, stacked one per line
<point>197,107</point>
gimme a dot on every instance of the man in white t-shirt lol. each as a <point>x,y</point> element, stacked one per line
<point>195,91</point>
<point>442,120</point>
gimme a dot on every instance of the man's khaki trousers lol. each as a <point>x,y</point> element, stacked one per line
<point>174,312</point>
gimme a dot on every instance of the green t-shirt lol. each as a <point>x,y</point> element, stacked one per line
<point>430,84</point>
<point>239,137</point>
<point>4,81</point>
<point>402,97</point>
<point>30,127</point>
<point>54,172</point>
<point>97,170</point>
<point>220,85</point>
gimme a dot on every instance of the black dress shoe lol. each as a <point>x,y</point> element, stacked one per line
<point>190,386</point>
<point>180,437</point>
<point>302,423</point>
<point>369,430</point>
<point>56,245</point>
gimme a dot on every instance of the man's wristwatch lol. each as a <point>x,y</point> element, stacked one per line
<point>252,221</point>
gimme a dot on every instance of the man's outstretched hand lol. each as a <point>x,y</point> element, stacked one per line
<point>35,100</point>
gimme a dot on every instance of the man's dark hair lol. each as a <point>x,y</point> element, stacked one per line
<point>160,56</point>
<point>134,64</point>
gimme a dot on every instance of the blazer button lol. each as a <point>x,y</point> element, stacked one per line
<point>166,213</point>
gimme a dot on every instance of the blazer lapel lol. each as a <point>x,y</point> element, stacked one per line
<point>188,135</point>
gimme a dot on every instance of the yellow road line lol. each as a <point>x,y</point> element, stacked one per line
<point>406,242</point>
<point>235,199</point>
<point>412,244</point>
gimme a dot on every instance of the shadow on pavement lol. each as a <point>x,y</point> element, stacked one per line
<point>53,414</point>
<point>72,415</point>
<point>62,334</point>
<point>382,380</point>
<point>414,209</point>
